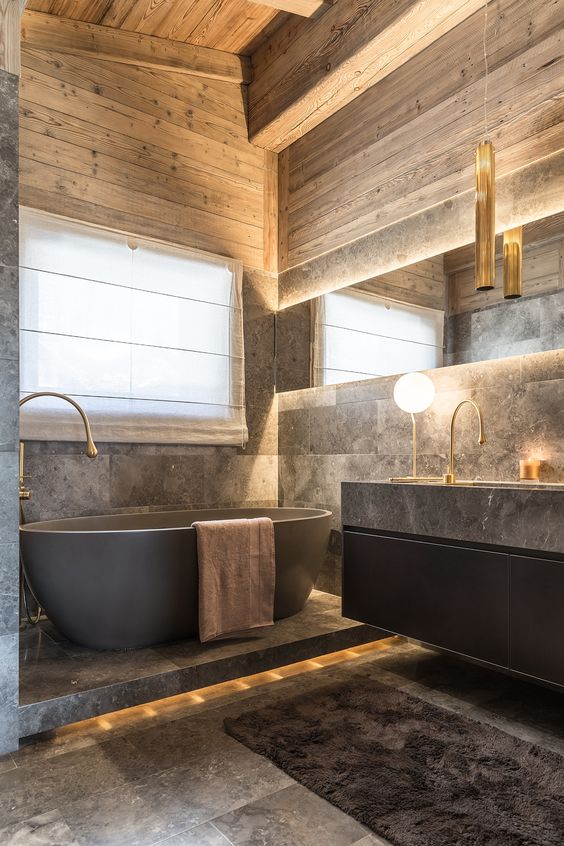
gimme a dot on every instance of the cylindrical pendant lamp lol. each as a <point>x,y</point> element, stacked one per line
<point>513,263</point>
<point>485,216</point>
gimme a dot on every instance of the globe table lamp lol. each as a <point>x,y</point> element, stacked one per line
<point>413,393</point>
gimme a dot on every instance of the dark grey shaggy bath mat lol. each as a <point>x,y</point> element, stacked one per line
<point>415,774</point>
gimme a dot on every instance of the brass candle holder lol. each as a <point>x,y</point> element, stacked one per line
<point>529,469</point>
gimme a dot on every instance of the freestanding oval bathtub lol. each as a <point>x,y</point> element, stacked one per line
<point>127,581</point>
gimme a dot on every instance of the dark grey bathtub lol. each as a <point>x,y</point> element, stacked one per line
<point>127,581</point>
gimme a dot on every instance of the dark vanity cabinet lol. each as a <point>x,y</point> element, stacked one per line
<point>537,617</point>
<point>484,603</point>
<point>449,596</point>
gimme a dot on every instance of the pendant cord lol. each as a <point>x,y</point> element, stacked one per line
<point>486,67</point>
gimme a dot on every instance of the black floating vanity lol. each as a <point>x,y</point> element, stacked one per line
<point>476,570</point>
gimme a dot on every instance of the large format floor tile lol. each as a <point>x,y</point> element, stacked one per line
<point>203,835</point>
<point>291,817</point>
<point>49,829</point>
<point>172,776</point>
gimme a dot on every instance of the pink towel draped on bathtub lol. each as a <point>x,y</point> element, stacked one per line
<point>236,576</point>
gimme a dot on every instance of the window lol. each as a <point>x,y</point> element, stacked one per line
<point>358,335</point>
<point>146,336</point>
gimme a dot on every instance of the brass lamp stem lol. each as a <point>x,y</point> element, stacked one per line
<point>414,445</point>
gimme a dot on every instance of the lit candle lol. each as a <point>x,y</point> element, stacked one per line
<point>529,469</point>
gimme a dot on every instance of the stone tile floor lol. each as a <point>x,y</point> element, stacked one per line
<point>168,774</point>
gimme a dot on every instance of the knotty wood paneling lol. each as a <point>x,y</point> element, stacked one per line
<point>236,26</point>
<point>270,211</point>
<point>407,143</point>
<point>423,283</point>
<point>56,34</point>
<point>328,62</point>
<point>10,14</point>
<point>149,151</point>
<point>305,8</point>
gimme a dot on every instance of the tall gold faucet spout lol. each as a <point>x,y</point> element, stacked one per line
<point>91,449</point>
<point>450,476</point>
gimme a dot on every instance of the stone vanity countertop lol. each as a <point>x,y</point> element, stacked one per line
<point>530,518</point>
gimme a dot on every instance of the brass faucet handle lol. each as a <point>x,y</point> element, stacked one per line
<point>24,493</point>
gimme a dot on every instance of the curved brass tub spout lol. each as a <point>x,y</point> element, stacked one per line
<point>91,450</point>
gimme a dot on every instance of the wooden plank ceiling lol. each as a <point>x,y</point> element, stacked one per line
<point>236,26</point>
<point>310,69</point>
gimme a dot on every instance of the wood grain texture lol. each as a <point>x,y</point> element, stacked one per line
<point>423,284</point>
<point>543,243</point>
<point>304,8</point>
<point>52,33</point>
<point>334,59</point>
<point>528,194</point>
<point>270,211</point>
<point>384,157</point>
<point>10,16</point>
<point>236,26</point>
<point>283,196</point>
<point>541,275</point>
<point>541,231</point>
<point>147,151</point>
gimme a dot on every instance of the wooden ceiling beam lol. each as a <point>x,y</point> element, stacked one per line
<point>60,35</point>
<point>303,75</point>
<point>304,8</point>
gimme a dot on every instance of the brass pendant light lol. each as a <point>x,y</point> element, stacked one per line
<point>513,263</point>
<point>485,216</point>
<point>485,194</point>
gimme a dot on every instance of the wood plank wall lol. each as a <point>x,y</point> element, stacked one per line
<point>423,283</point>
<point>153,152</point>
<point>10,16</point>
<point>407,143</point>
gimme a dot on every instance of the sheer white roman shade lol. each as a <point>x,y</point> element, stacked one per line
<point>359,335</point>
<point>146,336</point>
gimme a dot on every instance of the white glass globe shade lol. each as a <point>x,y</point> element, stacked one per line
<point>414,392</point>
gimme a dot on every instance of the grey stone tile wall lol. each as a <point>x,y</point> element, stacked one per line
<point>9,561</point>
<point>514,327</point>
<point>293,347</point>
<point>355,432</point>
<point>141,477</point>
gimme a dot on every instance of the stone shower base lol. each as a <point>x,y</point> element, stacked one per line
<point>62,683</point>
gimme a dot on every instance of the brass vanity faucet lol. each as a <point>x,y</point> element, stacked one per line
<point>450,477</point>
<point>91,450</point>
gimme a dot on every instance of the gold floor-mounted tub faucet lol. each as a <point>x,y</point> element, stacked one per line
<point>91,450</point>
<point>450,476</point>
